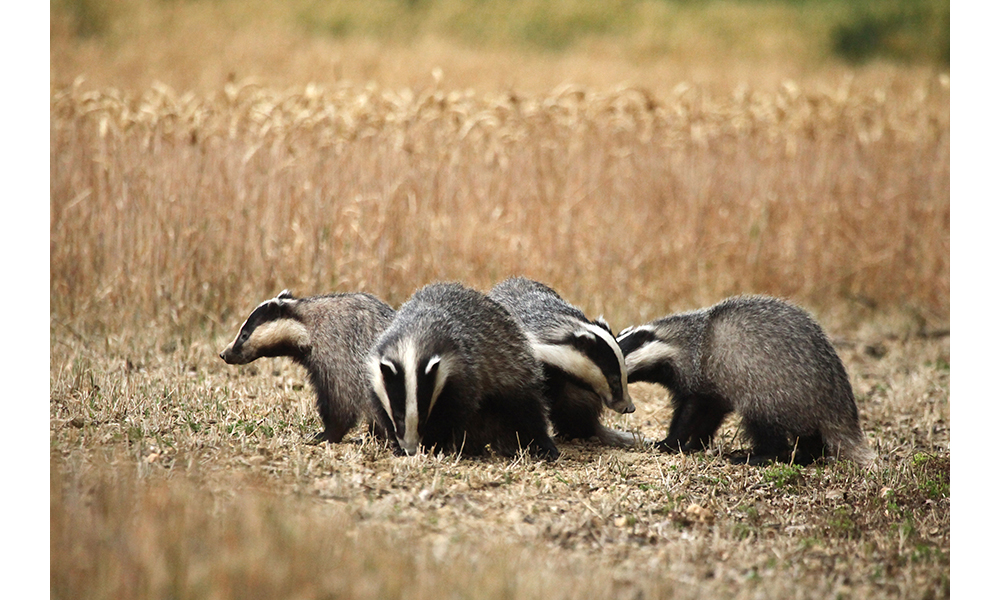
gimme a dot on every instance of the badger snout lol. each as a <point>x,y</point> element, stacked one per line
<point>622,405</point>
<point>231,357</point>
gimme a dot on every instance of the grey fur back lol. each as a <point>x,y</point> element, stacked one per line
<point>538,307</point>
<point>493,386</point>
<point>573,365</point>
<point>330,336</point>
<point>344,327</point>
<point>451,317</point>
<point>766,359</point>
<point>775,361</point>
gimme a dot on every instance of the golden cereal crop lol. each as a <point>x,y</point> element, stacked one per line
<point>185,208</point>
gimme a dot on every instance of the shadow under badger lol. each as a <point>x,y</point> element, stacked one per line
<point>584,368</point>
<point>454,372</point>
<point>328,335</point>
<point>761,357</point>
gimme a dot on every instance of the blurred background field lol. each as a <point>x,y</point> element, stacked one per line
<point>641,157</point>
<point>185,210</point>
<point>524,45</point>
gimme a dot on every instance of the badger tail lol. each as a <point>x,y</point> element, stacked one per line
<point>620,439</point>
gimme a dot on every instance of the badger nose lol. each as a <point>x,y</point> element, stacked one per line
<point>630,409</point>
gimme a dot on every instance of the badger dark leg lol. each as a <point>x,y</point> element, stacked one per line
<point>685,411</point>
<point>383,426</point>
<point>573,416</point>
<point>337,425</point>
<point>528,420</point>
<point>573,426</point>
<point>334,433</point>
<point>707,415</point>
<point>768,441</point>
<point>544,449</point>
<point>533,431</point>
<point>808,449</point>
<point>511,423</point>
<point>376,429</point>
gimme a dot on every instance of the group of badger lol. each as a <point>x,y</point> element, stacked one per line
<point>458,370</point>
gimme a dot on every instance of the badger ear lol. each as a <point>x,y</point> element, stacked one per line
<point>582,337</point>
<point>600,322</point>
<point>432,364</point>
<point>285,295</point>
<point>624,333</point>
<point>388,368</point>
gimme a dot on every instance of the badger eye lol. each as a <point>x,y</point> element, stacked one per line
<point>244,335</point>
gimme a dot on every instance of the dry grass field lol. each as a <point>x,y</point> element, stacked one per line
<point>181,197</point>
<point>174,475</point>
<point>188,209</point>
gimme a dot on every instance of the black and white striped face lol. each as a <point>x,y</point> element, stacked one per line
<point>590,354</point>
<point>647,356</point>
<point>408,384</point>
<point>270,330</point>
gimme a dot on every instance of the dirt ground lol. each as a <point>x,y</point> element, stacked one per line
<point>176,475</point>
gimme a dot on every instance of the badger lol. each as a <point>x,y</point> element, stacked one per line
<point>584,367</point>
<point>330,336</point>
<point>454,372</point>
<point>761,357</point>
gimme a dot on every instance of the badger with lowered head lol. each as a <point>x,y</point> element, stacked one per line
<point>761,357</point>
<point>328,335</point>
<point>454,372</point>
<point>584,367</point>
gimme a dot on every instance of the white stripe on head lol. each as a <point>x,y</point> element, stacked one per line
<point>277,332</point>
<point>571,360</point>
<point>277,300</point>
<point>653,352</point>
<point>411,437</point>
<point>610,341</point>
<point>378,384</point>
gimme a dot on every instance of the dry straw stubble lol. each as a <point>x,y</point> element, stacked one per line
<point>185,208</point>
<point>180,476</point>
